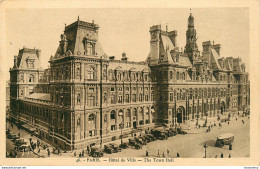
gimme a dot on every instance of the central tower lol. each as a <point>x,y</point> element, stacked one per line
<point>191,47</point>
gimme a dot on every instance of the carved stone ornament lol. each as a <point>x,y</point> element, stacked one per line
<point>78,53</point>
<point>69,53</point>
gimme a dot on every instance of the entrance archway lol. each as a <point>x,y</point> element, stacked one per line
<point>180,114</point>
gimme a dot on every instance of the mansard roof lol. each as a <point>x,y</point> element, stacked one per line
<point>74,38</point>
<point>25,55</point>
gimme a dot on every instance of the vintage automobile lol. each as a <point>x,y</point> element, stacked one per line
<point>224,139</point>
<point>20,142</point>
<point>159,133</point>
<point>24,147</point>
<point>173,130</point>
<point>108,149</point>
<point>96,152</point>
<point>144,139</point>
<point>138,146</point>
<point>151,137</point>
<point>124,145</point>
<point>140,141</point>
<point>147,138</point>
<point>16,138</point>
<point>181,131</point>
<point>132,142</point>
<point>115,147</point>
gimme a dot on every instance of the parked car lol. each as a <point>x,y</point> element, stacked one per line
<point>124,145</point>
<point>224,139</point>
<point>151,137</point>
<point>147,138</point>
<point>144,139</point>
<point>115,147</point>
<point>138,146</point>
<point>96,152</point>
<point>181,131</point>
<point>173,130</point>
<point>108,148</point>
<point>140,141</point>
<point>132,142</point>
<point>159,133</point>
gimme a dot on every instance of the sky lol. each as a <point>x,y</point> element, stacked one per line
<point>127,30</point>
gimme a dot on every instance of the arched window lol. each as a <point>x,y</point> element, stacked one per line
<point>31,78</point>
<point>91,118</point>
<point>112,114</point>
<point>91,73</point>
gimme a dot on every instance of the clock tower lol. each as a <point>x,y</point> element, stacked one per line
<point>191,47</point>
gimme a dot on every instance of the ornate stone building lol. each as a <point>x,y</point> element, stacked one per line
<point>87,97</point>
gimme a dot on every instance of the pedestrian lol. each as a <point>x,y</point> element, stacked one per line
<point>59,152</point>
<point>243,122</point>
<point>146,154</point>
<point>163,154</point>
<point>228,123</point>
<point>168,152</point>
<point>216,156</point>
<point>158,155</point>
<point>88,149</point>
<point>75,154</point>
<point>39,150</point>
<point>221,155</point>
<point>230,146</point>
<point>178,155</point>
<point>49,153</point>
<point>83,153</point>
<point>229,156</point>
<point>80,154</point>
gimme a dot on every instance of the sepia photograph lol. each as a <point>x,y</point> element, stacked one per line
<point>104,84</point>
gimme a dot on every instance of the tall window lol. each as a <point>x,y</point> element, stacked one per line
<point>90,49</point>
<point>171,97</point>
<point>170,74</point>
<point>146,97</point>
<point>66,73</point>
<point>91,73</point>
<point>134,97</point>
<point>120,99</point>
<point>152,97</point>
<point>91,100</point>
<point>178,75</point>
<point>113,115</point>
<point>31,78</point>
<point>91,118</point>
<point>140,97</point>
<point>127,98</point>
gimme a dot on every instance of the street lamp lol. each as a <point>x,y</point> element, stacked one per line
<point>205,146</point>
<point>121,125</point>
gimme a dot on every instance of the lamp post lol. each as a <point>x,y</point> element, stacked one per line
<point>205,146</point>
<point>121,125</point>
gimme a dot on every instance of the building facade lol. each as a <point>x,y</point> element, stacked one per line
<point>88,97</point>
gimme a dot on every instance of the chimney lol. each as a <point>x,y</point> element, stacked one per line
<point>38,53</point>
<point>172,35</point>
<point>124,58</point>
<point>15,61</point>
